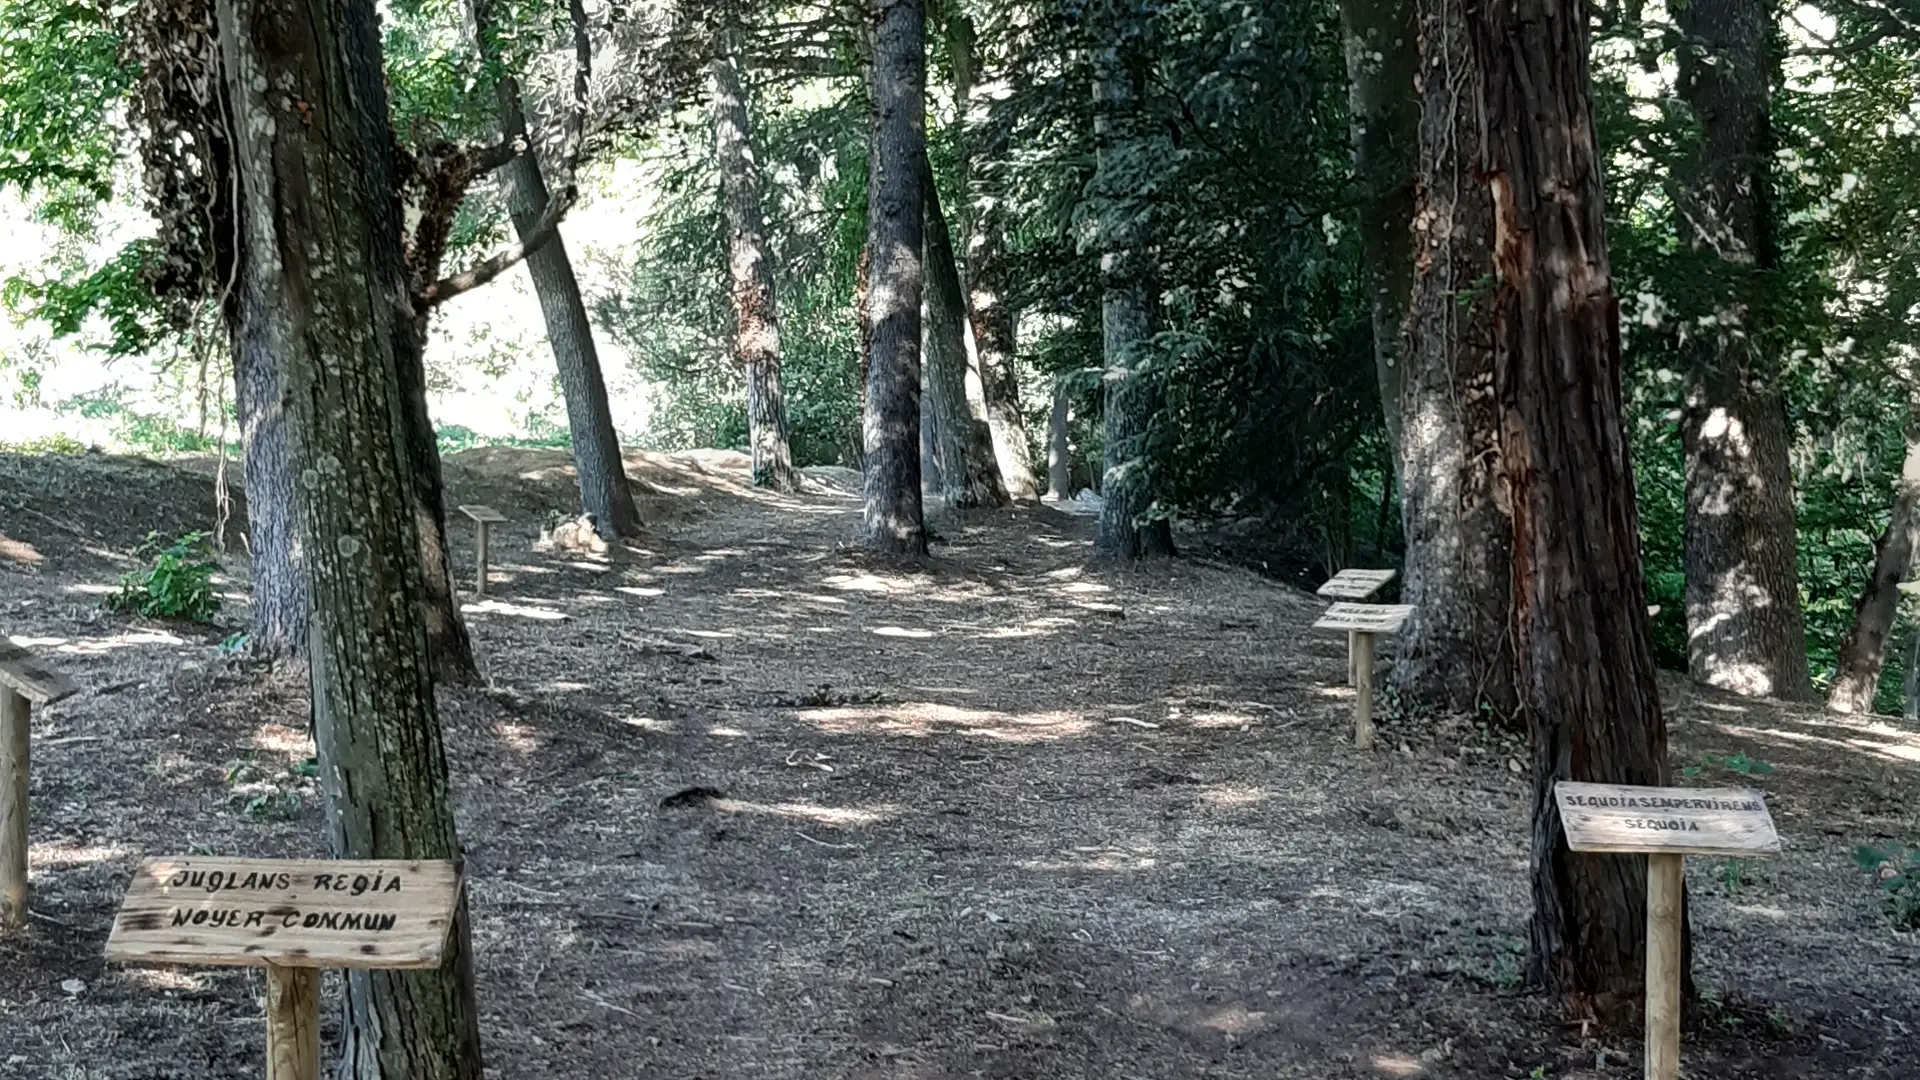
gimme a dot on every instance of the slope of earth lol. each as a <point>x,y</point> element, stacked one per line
<point>741,801</point>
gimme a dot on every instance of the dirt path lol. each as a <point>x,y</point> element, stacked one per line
<point>749,804</point>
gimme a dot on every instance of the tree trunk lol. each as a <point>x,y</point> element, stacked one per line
<point>1863,652</point>
<point>969,472</point>
<point>993,320</point>
<point>1744,625</point>
<point>1383,58</point>
<point>320,256</point>
<point>895,240</point>
<point>604,490</point>
<point>1129,292</point>
<point>1584,646</point>
<point>756,342</point>
<point>447,639</point>
<point>1059,452</point>
<point>278,595</point>
<point>1456,652</point>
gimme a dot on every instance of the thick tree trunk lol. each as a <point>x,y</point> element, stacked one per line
<point>1456,652</point>
<point>1584,646</point>
<point>756,342</point>
<point>1127,305</point>
<point>893,520</point>
<point>278,594</point>
<point>1863,652</point>
<point>1383,57</point>
<point>604,490</point>
<point>969,472</point>
<point>1744,625</point>
<point>320,258</point>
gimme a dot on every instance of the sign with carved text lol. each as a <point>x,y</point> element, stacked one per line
<point>385,913</point>
<point>1354,584</point>
<point>1364,618</point>
<point>1674,821</point>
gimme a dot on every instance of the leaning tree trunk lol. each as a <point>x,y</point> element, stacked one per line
<point>969,471</point>
<point>1863,653</point>
<point>278,593</point>
<point>1127,323</point>
<point>756,342</point>
<point>321,264</point>
<point>893,519</point>
<point>604,490</point>
<point>1456,652</point>
<point>1583,641</point>
<point>1383,57</point>
<point>994,321</point>
<point>447,638</point>
<point>1744,625</point>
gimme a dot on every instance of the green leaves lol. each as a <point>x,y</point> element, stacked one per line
<point>178,584</point>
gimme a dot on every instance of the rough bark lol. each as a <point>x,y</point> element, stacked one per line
<point>992,318</point>
<point>1744,625</point>
<point>1863,652</point>
<point>1456,652</point>
<point>604,490</point>
<point>277,595</point>
<point>320,235</point>
<point>756,341</point>
<point>1127,324</point>
<point>969,470</point>
<point>1383,58</point>
<point>891,420</point>
<point>1584,646</point>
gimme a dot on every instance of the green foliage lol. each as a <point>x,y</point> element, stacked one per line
<point>60,71</point>
<point>455,437</point>
<point>178,584</point>
<point>1735,763</point>
<point>1896,868</point>
<point>117,291</point>
<point>262,796</point>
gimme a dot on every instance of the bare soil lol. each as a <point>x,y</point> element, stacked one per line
<point>742,801</point>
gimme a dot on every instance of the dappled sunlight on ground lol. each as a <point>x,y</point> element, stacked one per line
<point>921,719</point>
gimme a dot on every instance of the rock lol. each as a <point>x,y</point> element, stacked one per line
<point>576,536</point>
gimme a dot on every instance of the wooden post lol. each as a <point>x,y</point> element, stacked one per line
<point>1362,689</point>
<point>293,1023</point>
<point>14,709</point>
<point>480,578</point>
<point>1352,665</point>
<point>1664,883</point>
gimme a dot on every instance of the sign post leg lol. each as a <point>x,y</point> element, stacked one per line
<point>293,1023</point>
<point>1362,690</point>
<point>1352,652</point>
<point>14,709</point>
<point>1664,883</point>
<point>480,578</point>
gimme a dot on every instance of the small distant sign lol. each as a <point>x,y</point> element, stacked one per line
<point>291,912</point>
<point>1365,618</point>
<point>1677,821</point>
<point>1355,584</point>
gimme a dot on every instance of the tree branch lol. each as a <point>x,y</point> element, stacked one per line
<point>501,261</point>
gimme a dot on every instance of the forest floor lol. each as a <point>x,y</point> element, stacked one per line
<point>1011,813</point>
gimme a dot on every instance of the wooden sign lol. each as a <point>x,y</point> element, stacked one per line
<point>310,913</point>
<point>1666,825</point>
<point>1681,821</point>
<point>25,684</point>
<point>1355,584</point>
<point>484,518</point>
<point>29,678</point>
<point>1365,618</point>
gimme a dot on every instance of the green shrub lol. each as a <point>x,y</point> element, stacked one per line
<point>177,585</point>
<point>1897,868</point>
